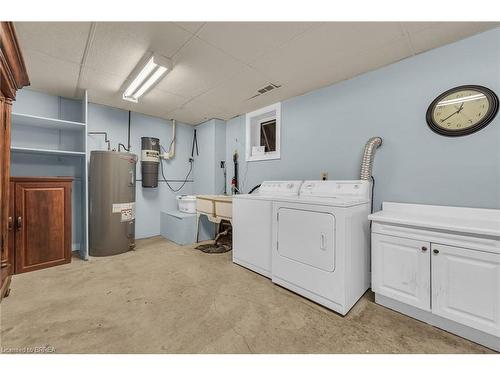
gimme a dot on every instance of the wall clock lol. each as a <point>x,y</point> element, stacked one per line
<point>462,110</point>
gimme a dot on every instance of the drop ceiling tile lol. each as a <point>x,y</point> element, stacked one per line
<point>100,82</point>
<point>260,101</point>
<point>192,27</point>
<point>248,40</point>
<point>206,81</point>
<point>159,101</point>
<point>375,58</point>
<point>196,111</point>
<point>188,117</point>
<point>447,32</point>
<point>318,50</point>
<point>63,40</point>
<point>235,90</point>
<point>51,75</point>
<point>119,46</point>
<point>325,72</point>
<point>413,27</point>
<point>197,68</point>
<point>111,101</point>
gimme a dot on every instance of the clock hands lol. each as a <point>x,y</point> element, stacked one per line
<point>454,113</point>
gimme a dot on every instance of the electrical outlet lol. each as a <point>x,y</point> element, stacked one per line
<point>324,176</point>
<point>222,164</point>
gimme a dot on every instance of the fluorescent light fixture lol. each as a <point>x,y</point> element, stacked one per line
<point>154,69</point>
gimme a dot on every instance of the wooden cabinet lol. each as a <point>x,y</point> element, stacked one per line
<point>41,219</point>
<point>466,287</point>
<point>401,269</point>
<point>13,77</point>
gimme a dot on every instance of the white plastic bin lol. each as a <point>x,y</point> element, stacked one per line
<point>187,203</point>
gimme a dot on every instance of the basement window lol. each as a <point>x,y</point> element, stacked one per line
<point>263,133</point>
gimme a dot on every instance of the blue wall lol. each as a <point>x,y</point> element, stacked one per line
<point>325,130</point>
<point>207,174</point>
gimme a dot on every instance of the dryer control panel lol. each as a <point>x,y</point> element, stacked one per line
<point>332,189</point>
<point>281,188</point>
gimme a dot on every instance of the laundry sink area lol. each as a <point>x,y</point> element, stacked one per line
<point>215,207</point>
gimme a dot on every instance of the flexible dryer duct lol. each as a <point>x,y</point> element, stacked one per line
<point>368,155</point>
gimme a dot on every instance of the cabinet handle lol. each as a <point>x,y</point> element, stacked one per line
<point>19,222</point>
<point>436,251</point>
<point>11,223</point>
<point>424,248</point>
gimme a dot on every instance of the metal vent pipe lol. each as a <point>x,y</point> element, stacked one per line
<point>368,155</point>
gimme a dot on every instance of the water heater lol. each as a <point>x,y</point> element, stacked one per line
<point>150,158</point>
<point>112,202</point>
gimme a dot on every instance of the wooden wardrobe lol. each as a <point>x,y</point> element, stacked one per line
<point>13,77</point>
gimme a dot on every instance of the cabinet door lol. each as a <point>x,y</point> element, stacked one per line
<point>401,270</point>
<point>466,287</point>
<point>43,225</point>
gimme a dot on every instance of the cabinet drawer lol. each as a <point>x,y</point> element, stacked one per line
<point>401,269</point>
<point>466,287</point>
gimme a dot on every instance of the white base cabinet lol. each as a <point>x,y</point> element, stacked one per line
<point>449,278</point>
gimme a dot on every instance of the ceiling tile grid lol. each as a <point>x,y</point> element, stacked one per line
<point>61,40</point>
<point>51,75</point>
<point>219,66</point>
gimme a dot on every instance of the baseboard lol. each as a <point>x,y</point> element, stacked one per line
<point>458,329</point>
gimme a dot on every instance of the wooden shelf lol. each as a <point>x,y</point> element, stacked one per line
<point>46,152</point>
<point>45,122</point>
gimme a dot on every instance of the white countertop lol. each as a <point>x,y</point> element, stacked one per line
<point>457,219</point>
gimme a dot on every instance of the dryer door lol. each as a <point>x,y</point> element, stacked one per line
<point>307,237</point>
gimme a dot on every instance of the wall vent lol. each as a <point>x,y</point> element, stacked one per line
<point>265,89</point>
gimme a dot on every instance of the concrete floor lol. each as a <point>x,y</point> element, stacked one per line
<point>164,298</point>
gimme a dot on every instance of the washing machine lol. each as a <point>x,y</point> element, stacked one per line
<point>252,224</point>
<point>320,242</point>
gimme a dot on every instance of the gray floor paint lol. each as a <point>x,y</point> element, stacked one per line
<point>164,298</point>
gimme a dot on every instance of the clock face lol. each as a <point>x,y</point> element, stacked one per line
<point>462,110</point>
